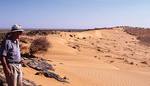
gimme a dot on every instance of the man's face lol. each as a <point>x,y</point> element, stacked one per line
<point>16,34</point>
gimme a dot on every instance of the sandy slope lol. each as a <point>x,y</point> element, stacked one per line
<point>96,58</point>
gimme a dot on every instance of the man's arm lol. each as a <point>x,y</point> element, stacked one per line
<point>5,65</point>
<point>3,56</point>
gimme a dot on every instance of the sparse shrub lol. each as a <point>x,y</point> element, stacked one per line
<point>39,44</point>
<point>38,32</point>
<point>31,33</point>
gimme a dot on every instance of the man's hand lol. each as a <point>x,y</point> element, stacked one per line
<point>23,63</point>
<point>6,66</point>
<point>8,71</point>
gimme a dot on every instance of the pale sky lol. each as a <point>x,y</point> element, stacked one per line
<point>74,13</point>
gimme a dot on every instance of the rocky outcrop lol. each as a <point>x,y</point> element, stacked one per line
<point>44,68</point>
<point>52,75</point>
<point>40,65</point>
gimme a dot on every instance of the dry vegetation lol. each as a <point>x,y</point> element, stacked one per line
<point>39,44</point>
<point>37,32</point>
<point>142,34</point>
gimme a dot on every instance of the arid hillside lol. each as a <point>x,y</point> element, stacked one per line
<point>102,57</point>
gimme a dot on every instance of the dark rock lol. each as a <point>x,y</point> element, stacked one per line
<point>43,67</point>
<point>40,65</point>
<point>52,75</point>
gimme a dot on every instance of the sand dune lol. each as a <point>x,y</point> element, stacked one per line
<point>96,58</point>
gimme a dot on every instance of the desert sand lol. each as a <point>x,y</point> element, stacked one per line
<point>108,57</point>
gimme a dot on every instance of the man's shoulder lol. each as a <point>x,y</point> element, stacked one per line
<point>6,41</point>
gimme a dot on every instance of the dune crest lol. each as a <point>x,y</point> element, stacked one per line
<point>107,57</point>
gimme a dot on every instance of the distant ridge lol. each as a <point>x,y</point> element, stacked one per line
<point>75,30</point>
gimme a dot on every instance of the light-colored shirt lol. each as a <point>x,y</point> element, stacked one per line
<point>10,49</point>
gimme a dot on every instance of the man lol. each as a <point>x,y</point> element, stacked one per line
<point>10,57</point>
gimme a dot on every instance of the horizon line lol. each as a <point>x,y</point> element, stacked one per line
<point>49,28</point>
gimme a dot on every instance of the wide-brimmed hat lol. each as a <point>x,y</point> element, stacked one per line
<point>16,28</point>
